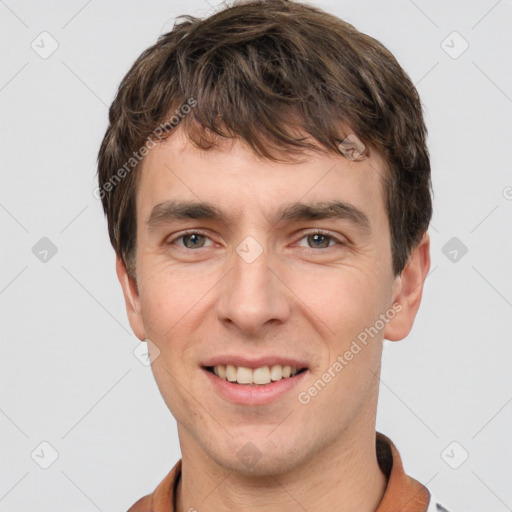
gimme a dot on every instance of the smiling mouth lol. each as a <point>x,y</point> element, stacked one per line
<point>254,376</point>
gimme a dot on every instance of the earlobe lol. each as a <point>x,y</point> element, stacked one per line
<point>408,289</point>
<point>132,300</point>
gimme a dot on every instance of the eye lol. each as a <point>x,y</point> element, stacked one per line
<point>191,240</point>
<point>320,240</point>
<point>197,240</point>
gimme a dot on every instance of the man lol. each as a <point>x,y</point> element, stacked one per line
<point>267,187</point>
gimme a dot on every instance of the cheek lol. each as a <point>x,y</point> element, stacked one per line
<point>346,299</point>
<point>177,392</point>
<point>350,306</point>
<point>171,298</point>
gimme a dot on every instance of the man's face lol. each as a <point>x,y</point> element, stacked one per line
<point>258,290</point>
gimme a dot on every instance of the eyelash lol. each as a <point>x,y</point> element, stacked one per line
<point>316,232</point>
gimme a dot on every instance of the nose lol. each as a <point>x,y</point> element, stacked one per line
<point>253,296</point>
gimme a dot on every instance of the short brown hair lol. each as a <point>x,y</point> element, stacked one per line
<point>258,70</point>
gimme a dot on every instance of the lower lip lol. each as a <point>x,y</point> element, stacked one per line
<point>253,395</point>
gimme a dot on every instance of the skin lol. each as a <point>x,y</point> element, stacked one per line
<point>296,299</point>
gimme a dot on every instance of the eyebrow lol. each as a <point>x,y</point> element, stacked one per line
<point>179,210</point>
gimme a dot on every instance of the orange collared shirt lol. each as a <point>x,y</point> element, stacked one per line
<point>403,493</point>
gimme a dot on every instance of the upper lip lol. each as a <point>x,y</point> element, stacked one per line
<point>258,362</point>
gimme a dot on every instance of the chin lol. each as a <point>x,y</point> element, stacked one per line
<point>261,456</point>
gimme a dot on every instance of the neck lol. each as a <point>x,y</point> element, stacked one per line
<point>344,478</point>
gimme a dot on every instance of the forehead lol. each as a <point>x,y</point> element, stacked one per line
<point>231,182</point>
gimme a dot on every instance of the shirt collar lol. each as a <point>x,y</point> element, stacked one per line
<point>403,493</point>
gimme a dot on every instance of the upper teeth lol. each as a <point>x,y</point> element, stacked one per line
<point>262,375</point>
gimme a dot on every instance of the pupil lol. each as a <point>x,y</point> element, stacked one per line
<point>316,239</point>
<point>193,238</point>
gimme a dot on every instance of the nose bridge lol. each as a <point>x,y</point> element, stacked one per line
<point>252,295</point>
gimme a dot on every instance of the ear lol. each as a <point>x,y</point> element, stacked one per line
<point>131,299</point>
<point>407,291</point>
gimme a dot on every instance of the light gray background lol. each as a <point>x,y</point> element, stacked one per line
<point>68,374</point>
